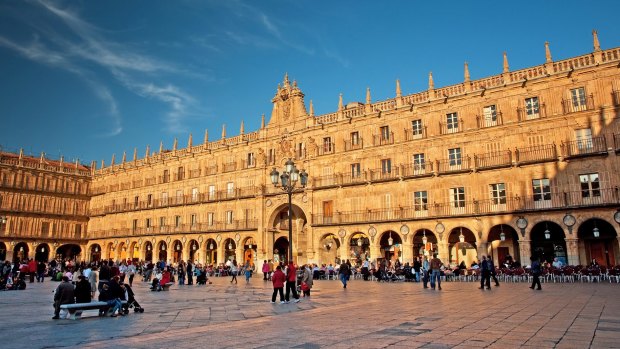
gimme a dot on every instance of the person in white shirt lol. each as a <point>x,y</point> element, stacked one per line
<point>557,263</point>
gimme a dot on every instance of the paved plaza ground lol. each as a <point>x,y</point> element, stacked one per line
<point>365,315</point>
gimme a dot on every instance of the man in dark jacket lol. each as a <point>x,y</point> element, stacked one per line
<point>104,275</point>
<point>82,290</point>
<point>64,295</point>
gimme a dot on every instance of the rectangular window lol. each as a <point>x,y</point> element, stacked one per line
<point>356,171</point>
<point>416,127</point>
<point>210,217</point>
<point>590,185</point>
<point>457,197</point>
<point>148,223</point>
<point>489,116</point>
<point>149,200</point>
<point>193,219</point>
<point>452,122</point>
<point>454,156</point>
<point>541,189</point>
<point>355,138</point>
<point>420,201</point>
<point>578,99</point>
<point>419,166</point>
<point>229,217</point>
<point>194,194</point>
<point>212,192</point>
<point>584,138</point>
<point>164,198</point>
<point>251,162</point>
<point>166,176</point>
<point>136,201</point>
<point>385,133</point>
<point>498,193</point>
<point>327,145</point>
<point>532,108</point>
<point>271,157</point>
<point>134,225</point>
<point>386,166</point>
<point>177,221</point>
<point>162,221</point>
<point>230,189</point>
<point>328,211</point>
<point>181,173</point>
<point>179,198</point>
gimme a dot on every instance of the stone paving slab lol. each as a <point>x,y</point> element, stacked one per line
<point>365,315</point>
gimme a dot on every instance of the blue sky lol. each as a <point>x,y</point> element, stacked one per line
<point>88,79</point>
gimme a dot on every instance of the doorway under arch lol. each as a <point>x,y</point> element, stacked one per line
<point>177,252</point>
<point>391,246</point>
<point>162,253</point>
<point>42,252</point>
<point>148,251</point>
<point>69,251</point>
<point>359,248</point>
<point>211,252</point>
<point>462,245</point>
<point>2,251</point>
<point>95,253</point>
<point>548,242</point>
<point>20,252</point>
<point>424,243</point>
<point>280,250</point>
<point>603,248</point>
<point>329,249</point>
<point>505,251</point>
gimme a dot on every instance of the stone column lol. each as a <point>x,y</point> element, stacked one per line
<point>525,252</point>
<point>572,251</point>
<point>375,251</point>
<point>483,250</point>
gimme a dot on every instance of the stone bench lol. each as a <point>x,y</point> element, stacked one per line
<point>75,310</point>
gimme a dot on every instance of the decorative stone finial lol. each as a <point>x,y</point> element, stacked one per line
<point>242,128</point>
<point>398,92</point>
<point>102,163</point>
<point>597,45</point>
<point>42,158</point>
<point>190,141</point>
<point>113,160</point>
<point>506,66</point>
<point>262,121</point>
<point>431,84</point>
<point>124,157</point>
<point>223,131</point>
<point>21,153</point>
<point>547,53</point>
<point>467,72</point>
<point>206,136</point>
<point>311,108</point>
<point>135,154</point>
<point>175,144</point>
<point>368,100</point>
<point>148,151</point>
<point>340,105</point>
<point>161,147</point>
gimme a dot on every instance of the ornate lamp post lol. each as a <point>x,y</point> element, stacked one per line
<point>289,179</point>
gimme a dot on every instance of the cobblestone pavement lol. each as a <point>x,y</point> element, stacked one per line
<point>365,315</point>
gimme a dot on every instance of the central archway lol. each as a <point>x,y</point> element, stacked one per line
<point>278,224</point>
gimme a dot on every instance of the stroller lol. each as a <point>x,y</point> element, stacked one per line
<point>131,301</point>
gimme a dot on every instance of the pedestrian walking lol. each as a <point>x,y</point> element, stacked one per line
<point>278,279</point>
<point>307,281</point>
<point>485,274</point>
<point>344,274</point>
<point>265,270</point>
<point>425,272</point>
<point>93,279</point>
<point>492,269</point>
<point>233,271</point>
<point>248,269</point>
<point>189,270</point>
<point>291,283</point>
<point>131,271</point>
<point>536,271</point>
<point>435,265</point>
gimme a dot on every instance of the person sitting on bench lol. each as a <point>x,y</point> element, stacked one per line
<point>112,294</point>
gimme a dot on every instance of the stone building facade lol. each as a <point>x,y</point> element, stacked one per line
<point>520,163</point>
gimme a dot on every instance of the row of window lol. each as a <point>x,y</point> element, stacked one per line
<point>195,196</point>
<point>541,189</point>
<point>228,218</point>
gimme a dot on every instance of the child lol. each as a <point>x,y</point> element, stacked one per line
<point>278,278</point>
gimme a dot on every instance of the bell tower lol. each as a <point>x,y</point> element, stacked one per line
<point>288,105</point>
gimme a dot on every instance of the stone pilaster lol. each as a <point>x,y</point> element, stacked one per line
<point>444,252</point>
<point>572,251</point>
<point>407,253</point>
<point>483,249</point>
<point>525,252</point>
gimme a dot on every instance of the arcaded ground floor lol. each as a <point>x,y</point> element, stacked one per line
<point>365,315</point>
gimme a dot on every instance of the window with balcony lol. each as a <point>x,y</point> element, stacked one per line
<point>420,203</point>
<point>457,197</point>
<point>385,134</point>
<point>194,194</point>
<point>356,170</point>
<point>454,157</point>
<point>210,216</point>
<point>355,139</point>
<point>164,198</point>
<point>148,224</point>
<point>328,211</point>
<point>179,197</point>
<point>532,108</point>
<point>162,223</point>
<point>271,157</point>
<point>181,173</point>
<point>327,145</point>
<point>177,221</point>
<point>134,226</point>
<point>251,161</point>
<point>229,217</point>
<point>212,192</point>
<point>416,127</point>
<point>136,201</point>
<point>149,200</point>
<point>584,139</point>
<point>230,189</point>
<point>578,99</point>
<point>452,122</point>
<point>590,185</point>
<point>542,192</point>
<point>498,196</point>
<point>193,220</point>
<point>166,176</point>
<point>386,166</point>
<point>419,165</point>
<point>489,115</point>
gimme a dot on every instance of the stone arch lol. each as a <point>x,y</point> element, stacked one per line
<point>230,247</point>
<point>194,249</point>
<point>391,250</point>
<point>211,252</point>
<point>328,248</point>
<point>42,252</point>
<point>465,250</point>
<point>604,248</point>
<point>421,249</point>
<point>21,251</point>
<point>280,250</point>
<point>249,246</point>
<point>359,247</point>
<point>69,251</point>
<point>148,249</point>
<point>548,248</point>
<point>94,252</point>
<point>162,251</point>
<point>503,251</point>
<point>176,251</point>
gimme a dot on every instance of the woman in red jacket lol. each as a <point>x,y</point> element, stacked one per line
<point>165,277</point>
<point>278,279</point>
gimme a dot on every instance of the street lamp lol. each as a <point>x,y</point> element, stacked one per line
<point>502,235</point>
<point>547,232</point>
<point>288,181</point>
<point>595,231</point>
